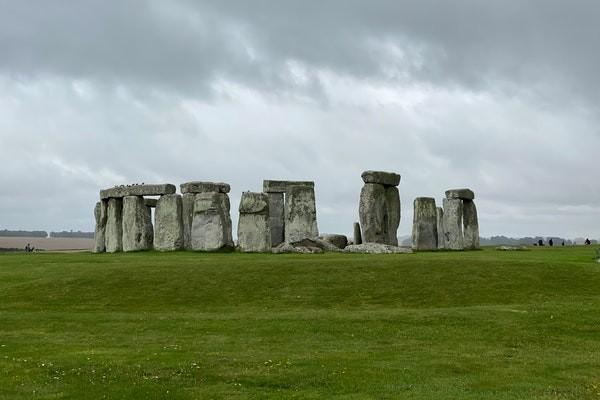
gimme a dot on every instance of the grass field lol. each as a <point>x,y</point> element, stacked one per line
<point>472,325</point>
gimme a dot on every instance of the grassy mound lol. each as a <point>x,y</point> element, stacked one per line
<point>436,325</point>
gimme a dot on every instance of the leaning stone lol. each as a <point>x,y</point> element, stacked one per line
<point>424,231</point>
<point>100,214</point>
<point>254,233</point>
<point>137,190</point>
<point>356,233</point>
<point>211,226</point>
<point>271,186</point>
<point>392,207</point>
<point>373,214</point>
<point>168,233</point>
<point>463,194</point>
<point>114,225</point>
<point>381,177</point>
<point>453,225</point>
<point>300,214</point>
<point>204,187</point>
<point>187,216</point>
<point>471,225</point>
<point>150,202</point>
<point>440,227</point>
<point>138,233</point>
<point>376,248</point>
<point>277,217</point>
<point>339,241</point>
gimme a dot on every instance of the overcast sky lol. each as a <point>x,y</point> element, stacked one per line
<point>499,96</point>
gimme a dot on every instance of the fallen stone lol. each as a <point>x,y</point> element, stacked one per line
<point>440,227</point>
<point>381,177</point>
<point>138,233</point>
<point>424,230</point>
<point>376,248</point>
<point>277,217</point>
<point>168,233</point>
<point>271,186</point>
<point>114,225</point>
<point>300,214</point>
<point>254,233</point>
<point>187,216</point>
<point>100,214</point>
<point>211,226</point>
<point>453,225</point>
<point>316,242</point>
<point>470,225</point>
<point>463,194</point>
<point>288,248</point>
<point>204,187</point>
<point>512,248</point>
<point>357,236</point>
<point>339,241</point>
<point>137,190</point>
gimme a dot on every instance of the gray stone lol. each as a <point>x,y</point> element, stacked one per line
<point>318,243</point>
<point>376,248</point>
<point>379,212</point>
<point>168,229</point>
<point>271,186</point>
<point>254,233</point>
<point>150,202</point>
<point>300,214</point>
<point>440,227</point>
<point>277,217</point>
<point>204,187</point>
<point>381,177</point>
<point>137,190</point>
<point>211,226</point>
<point>392,206</point>
<point>288,248</point>
<point>471,225</point>
<point>463,194</point>
<point>187,215</point>
<point>100,214</point>
<point>357,236</point>
<point>453,225</point>
<point>424,231</point>
<point>114,225</point>
<point>138,233</point>
<point>339,241</point>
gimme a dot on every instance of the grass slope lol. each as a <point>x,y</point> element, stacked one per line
<point>472,325</point>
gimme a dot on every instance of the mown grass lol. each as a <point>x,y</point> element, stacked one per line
<point>468,325</point>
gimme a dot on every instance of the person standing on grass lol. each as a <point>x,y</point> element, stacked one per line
<point>550,242</point>
<point>587,242</point>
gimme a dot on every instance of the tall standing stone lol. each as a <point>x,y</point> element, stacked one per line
<point>300,214</point>
<point>277,217</point>
<point>357,236</point>
<point>453,225</point>
<point>100,214</point>
<point>211,226</point>
<point>114,225</point>
<point>471,225</point>
<point>424,231</point>
<point>440,228</point>
<point>168,229</point>
<point>187,203</point>
<point>379,207</point>
<point>392,205</point>
<point>138,233</point>
<point>254,233</point>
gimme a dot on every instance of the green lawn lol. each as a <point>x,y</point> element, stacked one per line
<point>467,325</point>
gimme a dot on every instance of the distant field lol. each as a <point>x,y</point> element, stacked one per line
<point>46,243</point>
<point>437,325</point>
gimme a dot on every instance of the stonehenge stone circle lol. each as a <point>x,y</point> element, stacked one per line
<point>254,233</point>
<point>424,231</point>
<point>137,190</point>
<point>211,225</point>
<point>138,233</point>
<point>453,225</point>
<point>114,225</point>
<point>100,213</point>
<point>300,213</point>
<point>379,207</point>
<point>471,225</point>
<point>461,226</point>
<point>356,235</point>
<point>168,229</point>
<point>440,228</point>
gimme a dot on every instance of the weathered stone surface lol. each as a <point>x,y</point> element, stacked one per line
<point>288,248</point>
<point>381,177</point>
<point>453,225</point>
<point>463,194</point>
<point>357,236</point>
<point>211,226</point>
<point>137,190</point>
<point>392,206</point>
<point>373,213</point>
<point>114,225</point>
<point>440,228</point>
<point>168,229</point>
<point>271,186</point>
<point>254,233</point>
<point>138,233</point>
<point>300,214</point>
<point>100,214</point>
<point>276,217</point>
<point>187,215</point>
<point>150,202</point>
<point>204,187</point>
<point>424,231</point>
<point>339,241</point>
<point>376,248</point>
<point>471,225</point>
<point>318,243</point>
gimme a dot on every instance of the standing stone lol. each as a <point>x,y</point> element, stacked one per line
<point>440,228</point>
<point>357,237</point>
<point>114,225</point>
<point>254,234</point>
<point>100,213</point>
<point>168,234</point>
<point>137,224</point>
<point>300,214</point>
<point>373,213</point>
<point>471,225</point>
<point>276,217</point>
<point>424,231</point>
<point>211,226</point>
<point>187,203</point>
<point>453,225</point>
<point>392,209</point>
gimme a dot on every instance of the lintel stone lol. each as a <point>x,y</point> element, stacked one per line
<point>463,194</point>
<point>271,186</point>
<point>137,190</point>
<point>204,187</point>
<point>381,177</point>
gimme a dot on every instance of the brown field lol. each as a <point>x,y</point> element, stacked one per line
<point>46,243</point>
